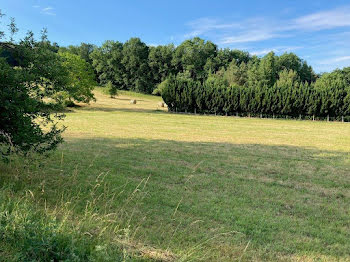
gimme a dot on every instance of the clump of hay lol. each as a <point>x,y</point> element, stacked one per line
<point>161,104</point>
<point>132,101</point>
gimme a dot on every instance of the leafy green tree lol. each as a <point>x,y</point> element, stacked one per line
<point>2,33</point>
<point>192,56</point>
<point>291,61</point>
<point>12,28</point>
<point>80,78</point>
<point>107,62</point>
<point>225,56</point>
<point>272,98</point>
<point>38,74</point>
<point>232,103</point>
<point>253,72</point>
<point>159,61</point>
<point>332,89</point>
<point>112,89</point>
<point>179,93</point>
<point>137,74</point>
<point>216,94</point>
<point>236,74</point>
<point>287,82</point>
<point>267,72</point>
<point>160,87</point>
<point>223,59</point>
<point>84,50</point>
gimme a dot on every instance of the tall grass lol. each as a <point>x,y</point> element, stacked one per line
<point>83,225</point>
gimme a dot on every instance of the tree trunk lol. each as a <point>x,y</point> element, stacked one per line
<point>342,118</point>
<point>273,115</point>
<point>237,114</point>
<point>327,118</point>
<point>261,116</point>
<point>194,110</point>
<point>313,117</point>
<point>299,116</point>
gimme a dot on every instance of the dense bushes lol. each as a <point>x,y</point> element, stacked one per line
<point>288,96</point>
<point>270,86</point>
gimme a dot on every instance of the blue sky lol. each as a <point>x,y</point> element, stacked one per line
<point>318,31</point>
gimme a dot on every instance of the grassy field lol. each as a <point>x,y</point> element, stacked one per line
<point>136,183</point>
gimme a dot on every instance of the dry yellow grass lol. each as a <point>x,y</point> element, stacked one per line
<point>147,120</point>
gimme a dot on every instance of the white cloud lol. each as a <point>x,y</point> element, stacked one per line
<point>261,52</point>
<point>334,60</point>
<point>338,17</point>
<point>248,30</point>
<point>205,25</point>
<point>45,10</point>
<point>250,36</point>
<point>48,11</point>
<point>260,29</point>
<point>277,49</point>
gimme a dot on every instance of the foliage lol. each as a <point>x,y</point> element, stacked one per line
<point>107,62</point>
<point>160,87</point>
<point>84,50</point>
<point>29,72</point>
<point>227,94</point>
<point>235,73</point>
<point>80,78</point>
<point>135,62</point>
<point>160,62</point>
<point>141,68</point>
<point>193,56</point>
<point>112,89</point>
<point>291,61</point>
<point>333,88</point>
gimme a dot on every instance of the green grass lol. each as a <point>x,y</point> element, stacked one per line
<point>134,95</point>
<point>140,183</point>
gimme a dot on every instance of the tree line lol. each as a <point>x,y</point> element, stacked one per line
<point>135,66</point>
<point>328,97</point>
<point>197,76</point>
<point>270,86</point>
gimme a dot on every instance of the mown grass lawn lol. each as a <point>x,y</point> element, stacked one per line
<point>177,187</point>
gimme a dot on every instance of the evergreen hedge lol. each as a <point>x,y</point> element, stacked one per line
<point>329,97</point>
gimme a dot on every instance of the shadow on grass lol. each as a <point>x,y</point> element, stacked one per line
<point>116,109</point>
<point>128,99</point>
<point>281,199</point>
